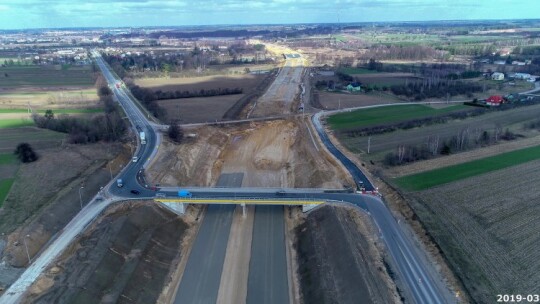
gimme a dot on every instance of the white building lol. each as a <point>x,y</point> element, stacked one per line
<point>497,76</point>
<point>522,75</point>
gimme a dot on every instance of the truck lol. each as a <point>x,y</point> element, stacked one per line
<point>184,194</point>
<point>143,137</point>
<point>119,183</point>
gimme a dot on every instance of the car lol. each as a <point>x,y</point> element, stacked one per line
<point>135,191</point>
<point>281,192</point>
<point>135,159</point>
<point>160,194</point>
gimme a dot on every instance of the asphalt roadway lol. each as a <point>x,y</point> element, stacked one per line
<point>268,280</point>
<point>202,275</point>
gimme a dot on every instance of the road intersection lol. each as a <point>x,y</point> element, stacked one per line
<point>423,283</point>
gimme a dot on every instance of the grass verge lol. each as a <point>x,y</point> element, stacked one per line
<point>15,123</point>
<point>381,115</point>
<point>7,159</point>
<point>432,178</point>
<point>55,111</point>
<point>5,185</point>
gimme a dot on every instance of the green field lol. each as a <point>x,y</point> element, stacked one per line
<point>432,178</point>
<point>382,115</point>
<point>55,111</point>
<point>7,159</point>
<point>35,75</point>
<point>15,123</point>
<point>38,138</point>
<point>356,71</point>
<point>5,185</point>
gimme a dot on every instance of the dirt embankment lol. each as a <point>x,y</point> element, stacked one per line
<point>192,163</point>
<point>126,256</point>
<point>339,260</point>
<point>270,154</point>
<point>401,209</point>
<point>45,195</point>
<point>264,154</point>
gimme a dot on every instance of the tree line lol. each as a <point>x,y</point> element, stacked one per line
<point>465,139</point>
<point>161,95</point>
<point>428,88</point>
<point>108,126</point>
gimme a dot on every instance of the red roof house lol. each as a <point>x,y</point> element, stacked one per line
<point>494,100</point>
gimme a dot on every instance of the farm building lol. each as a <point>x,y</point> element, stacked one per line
<point>497,76</point>
<point>494,100</point>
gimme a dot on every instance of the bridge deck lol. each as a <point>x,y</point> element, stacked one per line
<point>239,201</point>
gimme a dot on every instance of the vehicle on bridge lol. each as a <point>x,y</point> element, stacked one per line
<point>184,194</point>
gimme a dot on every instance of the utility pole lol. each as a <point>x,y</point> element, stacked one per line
<point>339,103</point>
<point>80,195</point>
<point>26,247</point>
<point>368,144</point>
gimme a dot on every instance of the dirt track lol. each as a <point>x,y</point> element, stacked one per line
<point>280,97</point>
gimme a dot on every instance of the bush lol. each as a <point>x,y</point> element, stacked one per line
<point>25,153</point>
<point>175,133</point>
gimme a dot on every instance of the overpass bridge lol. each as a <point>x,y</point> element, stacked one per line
<point>179,204</point>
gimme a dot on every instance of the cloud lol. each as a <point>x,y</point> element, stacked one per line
<point>61,13</point>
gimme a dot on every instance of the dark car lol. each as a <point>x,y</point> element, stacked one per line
<point>135,191</point>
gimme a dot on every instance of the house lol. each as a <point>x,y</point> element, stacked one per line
<point>494,100</point>
<point>497,76</point>
<point>354,87</point>
<point>522,75</point>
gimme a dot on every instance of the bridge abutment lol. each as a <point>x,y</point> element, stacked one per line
<point>308,207</point>
<point>178,208</point>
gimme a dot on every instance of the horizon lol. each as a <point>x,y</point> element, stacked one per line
<point>455,21</point>
<point>60,14</point>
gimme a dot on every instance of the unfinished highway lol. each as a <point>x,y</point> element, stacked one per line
<point>423,283</point>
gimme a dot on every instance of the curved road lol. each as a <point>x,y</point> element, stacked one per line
<point>420,278</point>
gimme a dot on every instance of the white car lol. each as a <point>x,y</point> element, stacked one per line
<point>135,159</point>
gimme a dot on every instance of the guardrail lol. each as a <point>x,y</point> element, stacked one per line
<point>237,201</point>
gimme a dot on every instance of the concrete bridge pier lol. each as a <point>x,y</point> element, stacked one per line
<point>308,207</point>
<point>178,208</point>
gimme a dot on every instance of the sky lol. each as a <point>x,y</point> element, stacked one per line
<point>18,14</point>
